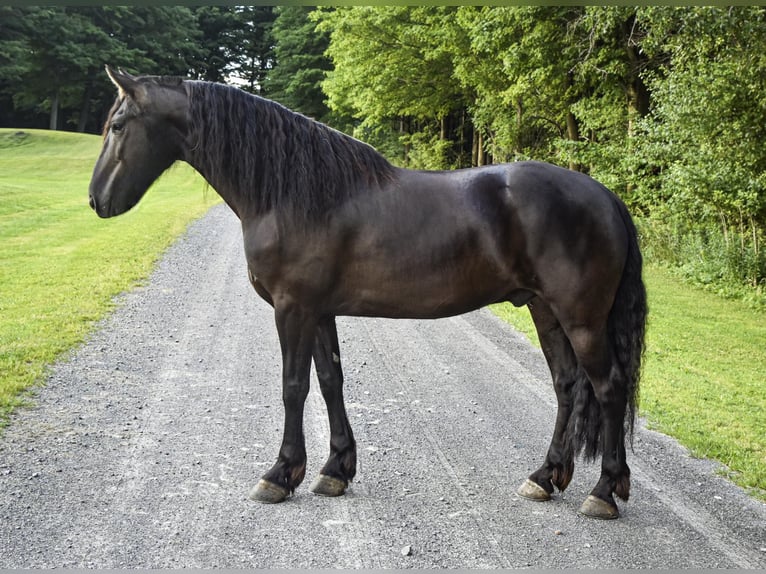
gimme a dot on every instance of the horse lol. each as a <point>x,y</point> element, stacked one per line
<point>331,228</point>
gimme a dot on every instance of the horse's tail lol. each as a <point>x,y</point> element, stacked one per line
<point>627,320</point>
<point>626,328</point>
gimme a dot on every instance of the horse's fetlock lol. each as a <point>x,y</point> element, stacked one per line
<point>562,475</point>
<point>622,485</point>
<point>297,474</point>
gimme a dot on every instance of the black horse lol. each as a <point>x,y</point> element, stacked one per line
<point>331,228</point>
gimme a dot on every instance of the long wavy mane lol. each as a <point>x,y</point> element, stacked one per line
<point>275,158</point>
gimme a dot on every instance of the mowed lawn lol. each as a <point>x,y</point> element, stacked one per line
<point>704,376</point>
<point>60,265</point>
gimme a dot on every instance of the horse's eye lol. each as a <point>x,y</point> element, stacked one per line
<point>117,127</point>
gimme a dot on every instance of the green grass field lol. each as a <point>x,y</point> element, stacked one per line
<point>60,265</point>
<point>704,374</point>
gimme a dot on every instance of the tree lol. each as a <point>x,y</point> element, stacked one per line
<point>704,136</point>
<point>54,48</point>
<point>258,48</point>
<point>59,55</point>
<point>300,64</point>
<point>222,36</point>
<point>518,64</point>
<point>393,74</point>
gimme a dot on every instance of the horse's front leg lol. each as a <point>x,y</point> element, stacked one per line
<point>296,327</point>
<point>340,468</point>
<point>558,467</point>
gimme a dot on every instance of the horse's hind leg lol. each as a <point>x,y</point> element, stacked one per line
<point>610,391</point>
<point>558,467</point>
<point>340,467</point>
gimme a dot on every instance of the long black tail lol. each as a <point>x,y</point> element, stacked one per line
<point>627,327</point>
<point>627,320</point>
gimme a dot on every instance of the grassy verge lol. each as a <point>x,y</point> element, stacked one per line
<point>703,379</point>
<point>60,265</point>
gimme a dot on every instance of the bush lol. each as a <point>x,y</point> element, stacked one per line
<point>728,262</point>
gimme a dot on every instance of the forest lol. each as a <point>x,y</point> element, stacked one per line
<point>664,105</point>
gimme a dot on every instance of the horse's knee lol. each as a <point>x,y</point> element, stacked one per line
<point>294,393</point>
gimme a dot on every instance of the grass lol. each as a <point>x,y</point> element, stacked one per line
<point>703,377</point>
<point>60,265</point>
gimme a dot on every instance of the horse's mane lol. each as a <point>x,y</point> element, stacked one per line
<point>275,158</point>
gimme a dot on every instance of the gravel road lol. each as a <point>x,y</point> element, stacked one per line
<point>144,444</point>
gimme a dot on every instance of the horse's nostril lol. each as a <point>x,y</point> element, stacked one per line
<point>92,203</point>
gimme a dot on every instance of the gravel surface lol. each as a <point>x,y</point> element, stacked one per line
<point>144,444</point>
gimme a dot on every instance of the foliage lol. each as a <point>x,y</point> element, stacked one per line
<point>520,70</point>
<point>52,58</point>
<point>703,140</point>
<point>257,48</point>
<point>301,64</point>
<point>661,104</point>
<point>392,72</point>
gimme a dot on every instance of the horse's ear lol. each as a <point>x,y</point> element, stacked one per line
<point>127,84</point>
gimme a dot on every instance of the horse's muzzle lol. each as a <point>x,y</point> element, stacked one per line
<point>101,210</point>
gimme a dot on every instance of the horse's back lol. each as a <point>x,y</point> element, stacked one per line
<point>534,209</point>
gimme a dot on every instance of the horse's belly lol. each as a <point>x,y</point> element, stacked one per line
<point>420,294</point>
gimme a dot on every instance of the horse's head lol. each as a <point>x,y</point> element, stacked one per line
<point>143,135</point>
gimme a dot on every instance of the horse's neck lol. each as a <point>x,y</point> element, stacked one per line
<point>214,175</point>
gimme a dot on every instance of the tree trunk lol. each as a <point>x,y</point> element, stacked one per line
<point>404,128</point>
<point>637,93</point>
<point>573,128</point>
<point>82,121</point>
<point>519,125</point>
<point>573,133</point>
<point>638,103</point>
<point>54,121</point>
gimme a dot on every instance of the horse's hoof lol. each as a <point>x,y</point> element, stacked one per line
<point>533,491</point>
<point>324,485</point>
<point>268,492</point>
<point>594,507</point>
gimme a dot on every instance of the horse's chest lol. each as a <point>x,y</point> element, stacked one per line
<point>287,263</point>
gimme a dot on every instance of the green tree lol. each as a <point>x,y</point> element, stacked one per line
<point>51,59</point>
<point>704,138</point>
<point>57,55</point>
<point>222,32</point>
<point>519,66</point>
<point>300,62</point>
<point>393,74</point>
<point>257,58</point>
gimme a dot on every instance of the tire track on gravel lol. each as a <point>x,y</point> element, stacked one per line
<point>387,356</point>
